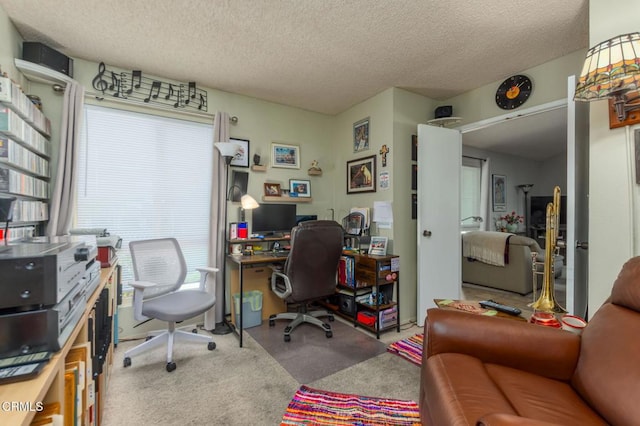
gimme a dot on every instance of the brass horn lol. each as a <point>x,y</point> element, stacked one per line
<point>547,300</point>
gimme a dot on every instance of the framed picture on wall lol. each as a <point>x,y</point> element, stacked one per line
<point>241,158</point>
<point>286,156</point>
<point>361,175</point>
<point>299,188</point>
<point>499,185</point>
<point>361,135</point>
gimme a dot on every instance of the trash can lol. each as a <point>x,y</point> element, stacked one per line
<point>251,308</point>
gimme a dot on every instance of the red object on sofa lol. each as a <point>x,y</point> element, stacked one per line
<point>493,371</point>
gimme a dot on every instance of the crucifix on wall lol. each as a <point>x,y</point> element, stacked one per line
<point>383,153</point>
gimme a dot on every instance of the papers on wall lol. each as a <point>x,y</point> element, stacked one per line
<point>383,214</point>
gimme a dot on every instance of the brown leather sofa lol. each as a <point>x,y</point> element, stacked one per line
<point>495,371</point>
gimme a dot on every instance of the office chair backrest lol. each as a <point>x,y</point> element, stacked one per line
<point>159,261</point>
<point>316,246</point>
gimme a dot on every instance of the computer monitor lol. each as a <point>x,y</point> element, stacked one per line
<point>538,210</point>
<point>269,219</point>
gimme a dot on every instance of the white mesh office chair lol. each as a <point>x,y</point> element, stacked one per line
<point>159,270</point>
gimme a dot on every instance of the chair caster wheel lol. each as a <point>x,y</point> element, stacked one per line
<point>171,366</point>
<point>127,362</point>
<point>331,318</point>
<point>287,338</point>
<point>148,338</point>
<point>272,323</point>
<point>194,331</point>
<point>211,345</point>
<point>329,334</point>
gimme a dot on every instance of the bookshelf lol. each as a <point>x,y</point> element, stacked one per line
<point>24,157</point>
<point>48,386</point>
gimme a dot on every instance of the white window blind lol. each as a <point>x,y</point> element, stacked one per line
<point>142,176</point>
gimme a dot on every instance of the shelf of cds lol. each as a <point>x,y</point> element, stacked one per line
<point>24,158</point>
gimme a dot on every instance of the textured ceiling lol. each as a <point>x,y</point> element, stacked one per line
<point>323,56</point>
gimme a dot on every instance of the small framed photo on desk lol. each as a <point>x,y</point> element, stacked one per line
<point>378,246</point>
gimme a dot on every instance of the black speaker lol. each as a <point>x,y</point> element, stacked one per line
<point>443,111</point>
<point>43,55</point>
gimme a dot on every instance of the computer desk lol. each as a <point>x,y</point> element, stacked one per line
<point>271,304</point>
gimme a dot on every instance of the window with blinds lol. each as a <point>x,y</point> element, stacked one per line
<point>143,176</point>
<point>470,192</point>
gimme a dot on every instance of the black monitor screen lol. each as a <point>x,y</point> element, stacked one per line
<point>538,216</point>
<point>273,218</point>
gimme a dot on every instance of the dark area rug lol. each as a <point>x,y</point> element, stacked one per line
<point>309,355</point>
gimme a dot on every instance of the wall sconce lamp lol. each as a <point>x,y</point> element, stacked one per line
<point>612,70</point>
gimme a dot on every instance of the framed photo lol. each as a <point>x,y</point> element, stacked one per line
<point>361,135</point>
<point>378,246</point>
<point>242,157</point>
<point>299,188</point>
<point>286,156</point>
<point>499,185</point>
<point>272,189</point>
<point>414,147</point>
<point>361,175</point>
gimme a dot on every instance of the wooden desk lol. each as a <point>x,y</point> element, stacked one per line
<point>445,304</point>
<point>271,304</point>
<point>48,386</point>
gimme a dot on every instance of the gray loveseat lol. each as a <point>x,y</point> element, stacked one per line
<point>515,276</point>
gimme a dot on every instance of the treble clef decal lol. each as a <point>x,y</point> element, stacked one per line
<point>98,82</point>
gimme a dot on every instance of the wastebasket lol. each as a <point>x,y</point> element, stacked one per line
<point>251,308</point>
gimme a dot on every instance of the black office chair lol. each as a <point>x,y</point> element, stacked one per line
<point>309,274</point>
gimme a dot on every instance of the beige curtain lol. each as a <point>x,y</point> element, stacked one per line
<point>217,237</point>
<point>64,191</point>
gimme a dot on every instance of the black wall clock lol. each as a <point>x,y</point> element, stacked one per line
<point>513,92</point>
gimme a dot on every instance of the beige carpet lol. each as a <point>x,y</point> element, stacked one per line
<point>237,386</point>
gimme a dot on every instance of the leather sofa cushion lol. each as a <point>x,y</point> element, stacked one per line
<point>625,288</point>
<point>460,389</point>
<point>607,375</point>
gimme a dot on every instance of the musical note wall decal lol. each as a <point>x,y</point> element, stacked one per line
<point>154,86</point>
<point>98,82</point>
<point>133,86</point>
<point>134,74</point>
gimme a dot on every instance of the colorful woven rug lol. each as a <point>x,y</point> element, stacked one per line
<point>317,407</point>
<point>409,349</point>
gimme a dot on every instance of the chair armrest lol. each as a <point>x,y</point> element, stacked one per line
<point>537,349</point>
<point>141,285</point>
<point>138,297</point>
<point>274,279</point>
<point>503,419</point>
<point>204,271</point>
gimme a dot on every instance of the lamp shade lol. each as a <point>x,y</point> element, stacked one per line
<point>610,68</point>
<point>248,202</point>
<point>227,149</point>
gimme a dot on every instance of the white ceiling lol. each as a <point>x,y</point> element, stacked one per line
<point>323,56</point>
<point>539,136</point>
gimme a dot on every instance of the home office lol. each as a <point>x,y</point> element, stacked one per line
<point>327,136</point>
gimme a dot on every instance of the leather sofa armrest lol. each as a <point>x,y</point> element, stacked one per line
<point>503,419</point>
<point>540,350</point>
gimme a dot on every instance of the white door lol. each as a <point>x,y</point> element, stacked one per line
<point>439,241</point>
<point>577,203</point>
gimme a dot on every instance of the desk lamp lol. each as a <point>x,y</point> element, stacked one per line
<point>228,151</point>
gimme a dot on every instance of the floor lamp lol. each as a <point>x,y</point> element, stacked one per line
<point>228,152</point>
<point>526,187</point>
